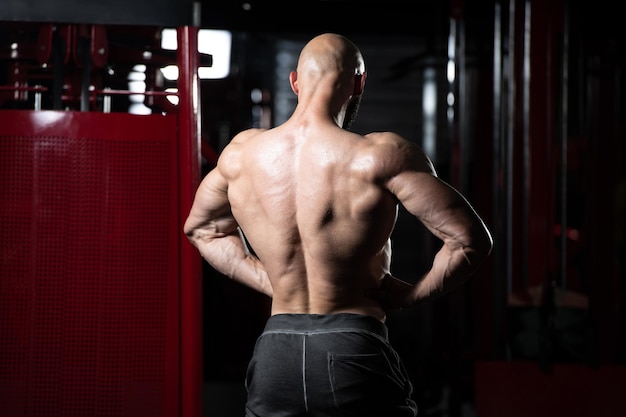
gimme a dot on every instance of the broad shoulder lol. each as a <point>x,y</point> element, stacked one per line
<point>230,160</point>
<point>239,141</point>
<point>246,135</point>
<point>396,154</point>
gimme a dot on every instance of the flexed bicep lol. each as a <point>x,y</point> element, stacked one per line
<point>212,228</point>
<point>210,214</point>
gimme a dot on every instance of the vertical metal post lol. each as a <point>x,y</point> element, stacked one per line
<point>499,290</point>
<point>191,266</point>
<point>58,53</point>
<point>563,139</point>
<point>526,144</point>
<point>37,105</point>
<point>466,149</point>
<point>106,101</point>
<point>509,147</point>
<point>451,116</point>
<point>84,52</point>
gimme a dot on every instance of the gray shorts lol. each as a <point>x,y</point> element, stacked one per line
<point>326,365</point>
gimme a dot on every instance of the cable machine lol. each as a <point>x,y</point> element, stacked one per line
<point>100,292</point>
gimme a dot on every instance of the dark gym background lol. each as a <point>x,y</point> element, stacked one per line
<point>531,128</point>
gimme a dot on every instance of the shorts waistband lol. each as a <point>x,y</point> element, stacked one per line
<point>325,323</point>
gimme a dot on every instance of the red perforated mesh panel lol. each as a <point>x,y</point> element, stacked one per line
<point>89,242</point>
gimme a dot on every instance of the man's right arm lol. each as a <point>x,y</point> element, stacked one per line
<point>211,227</point>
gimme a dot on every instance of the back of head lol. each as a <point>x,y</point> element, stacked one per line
<point>330,53</point>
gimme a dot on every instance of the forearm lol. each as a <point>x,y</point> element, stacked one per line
<point>451,267</point>
<point>229,256</point>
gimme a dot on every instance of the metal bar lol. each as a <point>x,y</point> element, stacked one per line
<point>191,266</point>
<point>564,134</point>
<point>106,104</point>
<point>37,104</point>
<point>499,293</point>
<point>58,53</point>
<point>509,145</point>
<point>83,45</point>
<point>463,130</point>
<point>111,92</point>
<point>526,145</point>
<point>23,88</point>
<point>168,13</point>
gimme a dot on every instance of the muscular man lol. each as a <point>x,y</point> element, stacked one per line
<point>317,204</point>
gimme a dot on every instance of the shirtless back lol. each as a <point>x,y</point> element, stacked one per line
<point>318,203</point>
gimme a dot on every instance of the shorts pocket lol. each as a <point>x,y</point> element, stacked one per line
<point>366,384</point>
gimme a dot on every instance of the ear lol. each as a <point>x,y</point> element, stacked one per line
<point>359,84</point>
<point>293,81</point>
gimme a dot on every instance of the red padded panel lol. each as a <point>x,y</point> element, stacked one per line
<point>89,246</point>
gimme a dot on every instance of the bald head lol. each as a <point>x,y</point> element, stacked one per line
<point>330,52</point>
<point>331,67</point>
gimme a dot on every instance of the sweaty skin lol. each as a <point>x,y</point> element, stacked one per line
<point>318,203</point>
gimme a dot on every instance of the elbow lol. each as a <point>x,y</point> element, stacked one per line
<point>200,235</point>
<point>487,241</point>
<point>191,232</point>
<point>482,245</point>
<point>192,237</point>
<point>485,245</point>
<point>192,228</point>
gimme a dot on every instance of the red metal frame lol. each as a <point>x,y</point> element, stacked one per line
<point>191,266</point>
<point>56,137</point>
